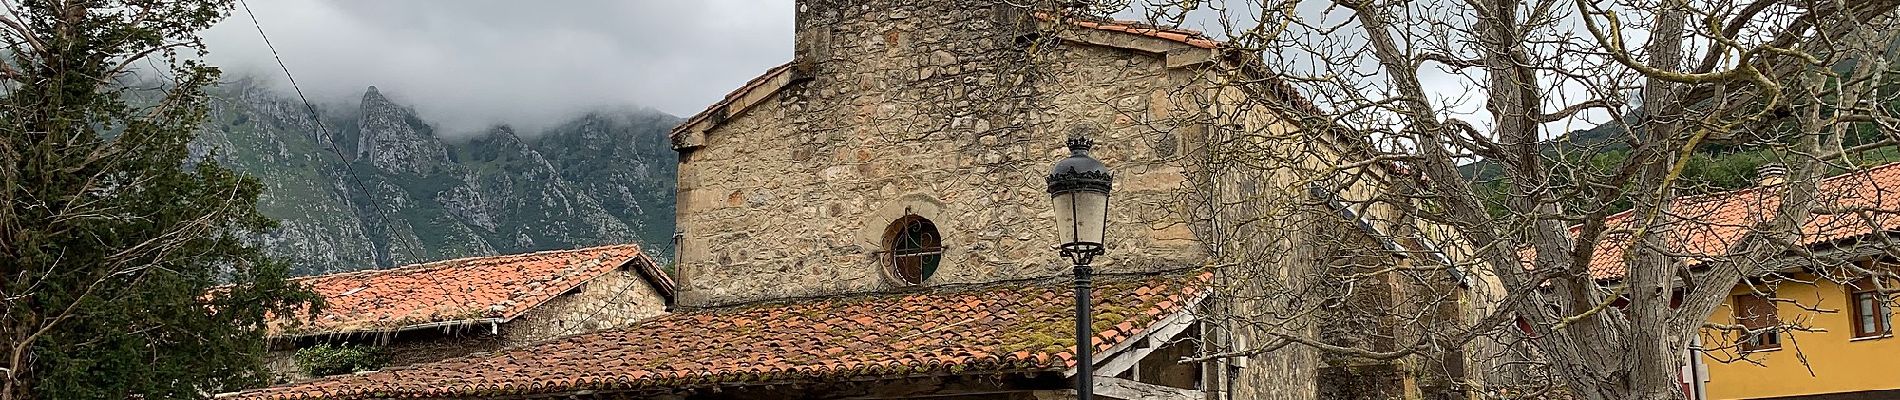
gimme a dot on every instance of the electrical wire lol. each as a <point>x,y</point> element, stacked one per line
<point>329,141</point>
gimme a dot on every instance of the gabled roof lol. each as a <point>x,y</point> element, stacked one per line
<point>497,288</point>
<point>1710,225</point>
<point>996,329</point>
<point>772,80</point>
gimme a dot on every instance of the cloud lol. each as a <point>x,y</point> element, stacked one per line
<point>468,64</point>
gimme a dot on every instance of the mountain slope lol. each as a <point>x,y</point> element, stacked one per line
<point>380,187</point>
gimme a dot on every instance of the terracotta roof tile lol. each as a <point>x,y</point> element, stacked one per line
<point>500,287</point>
<point>981,330</point>
<point>1185,36</point>
<point>1709,225</point>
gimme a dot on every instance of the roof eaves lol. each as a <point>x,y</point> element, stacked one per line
<point>439,264</point>
<point>1615,272</point>
<point>650,271</point>
<point>392,330</point>
<point>735,103</point>
<point>1172,35</point>
<point>1185,313</point>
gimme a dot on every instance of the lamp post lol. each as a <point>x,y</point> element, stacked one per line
<point>1079,186</point>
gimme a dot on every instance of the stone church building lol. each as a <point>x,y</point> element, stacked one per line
<point>869,220</point>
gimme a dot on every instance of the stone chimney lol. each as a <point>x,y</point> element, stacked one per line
<point>884,30</point>
<point>1771,174</point>
<point>811,33</point>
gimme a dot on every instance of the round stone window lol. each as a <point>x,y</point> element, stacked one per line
<point>915,248</point>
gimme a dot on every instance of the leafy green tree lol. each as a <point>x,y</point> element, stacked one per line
<point>128,270</point>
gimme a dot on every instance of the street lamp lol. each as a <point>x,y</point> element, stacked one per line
<point>1079,186</point>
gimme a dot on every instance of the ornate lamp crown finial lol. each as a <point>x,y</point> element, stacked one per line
<point>1080,143</point>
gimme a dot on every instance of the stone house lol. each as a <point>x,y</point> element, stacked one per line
<point>869,221</point>
<point>437,310</point>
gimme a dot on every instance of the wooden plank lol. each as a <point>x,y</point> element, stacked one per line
<point>1167,328</point>
<point>1130,390</point>
<point>1154,337</point>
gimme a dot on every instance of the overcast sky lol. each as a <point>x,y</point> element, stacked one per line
<point>471,63</point>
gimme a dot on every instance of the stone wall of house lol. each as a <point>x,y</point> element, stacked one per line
<point>1303,250</point>
<point>1252,300</point>
<point>282,365</point>
<point>612,300</point>
<point>939,109</point>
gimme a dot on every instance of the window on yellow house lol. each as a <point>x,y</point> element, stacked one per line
<point>1871,317</point>
<point>1757,314</point>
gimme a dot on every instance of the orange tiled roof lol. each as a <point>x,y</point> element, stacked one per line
<point>1709,225</point>
<point>498,287</point>
<point>982,330</point>
<point>1185,36</point>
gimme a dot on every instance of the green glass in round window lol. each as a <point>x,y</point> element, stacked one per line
<point>916,249</point>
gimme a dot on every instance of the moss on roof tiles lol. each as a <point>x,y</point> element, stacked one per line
<point>1030,330</point>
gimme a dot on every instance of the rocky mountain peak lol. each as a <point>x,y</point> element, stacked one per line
<point>410,196</point>
<point>392,137</point>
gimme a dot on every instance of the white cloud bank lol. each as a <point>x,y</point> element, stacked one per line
<point>470,64</point>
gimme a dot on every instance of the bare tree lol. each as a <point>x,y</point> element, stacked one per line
<point>1421,195</point>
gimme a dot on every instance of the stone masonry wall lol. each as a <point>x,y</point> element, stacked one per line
<point>612,300</point>
<point>937,109</point>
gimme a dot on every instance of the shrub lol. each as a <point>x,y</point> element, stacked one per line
<point>326,359</point>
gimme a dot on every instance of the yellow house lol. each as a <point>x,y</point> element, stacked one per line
<point>1840,344</point>
<point>1817,323</point>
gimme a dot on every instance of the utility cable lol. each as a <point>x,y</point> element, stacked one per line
<point>329,141</point>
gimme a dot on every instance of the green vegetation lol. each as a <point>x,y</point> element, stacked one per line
<point>325,359</point>
<point>129,266</point>
<point>1596,153</point>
